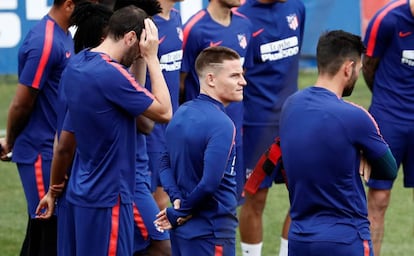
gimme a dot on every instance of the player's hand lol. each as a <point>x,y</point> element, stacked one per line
<point>46,207</point>
<point>176,203</point>
<point>162,223</point>
<point>148,43</point>
<point>5,150</point>
<point>364,168</point>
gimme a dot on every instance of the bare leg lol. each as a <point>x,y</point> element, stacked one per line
<point>160,248</point>
<point>250,218</point>
<point>286,226</point>
<point>161,198</point>
<point>378,201</point>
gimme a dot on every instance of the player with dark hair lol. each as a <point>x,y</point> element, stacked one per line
<point>151,7</point>
<point>91,21</point>
<point>31,123</point>
<point>199,174</point>
<point>200,32</point>
<point>388,66</point>
<point>101,186</point>
<point>328,204</point>
<point>272,70</point>
<point>147,239</point>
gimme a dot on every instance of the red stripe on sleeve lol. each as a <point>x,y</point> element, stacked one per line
<point>39,177</point>
<point>128,76</point>
<point>47,48</point>
<point>377,22</point>
<point>218,250</point>
<point>140,222</point>
<point>113,239</point>
<point>190,25</point>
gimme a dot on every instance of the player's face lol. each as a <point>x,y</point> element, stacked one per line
<point>271,1</point>
<point>352,80</point>
<point>230,82</point>
<point>132,54</point>
<point>230,3</point>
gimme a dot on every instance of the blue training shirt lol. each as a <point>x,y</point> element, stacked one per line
<point>272,59</point>
<point>200,141</point>
<point>170,55</point>
<point>390,37</point>
<point>42,58</point>
<point>321,139</point>
<point>103,101</point>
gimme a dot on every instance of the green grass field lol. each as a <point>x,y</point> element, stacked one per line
<point>399,230</point>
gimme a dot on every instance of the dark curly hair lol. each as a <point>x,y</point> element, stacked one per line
<point>91,21</point>
<point>151,7</point>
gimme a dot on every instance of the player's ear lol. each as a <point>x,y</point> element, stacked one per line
<point>348,66</point>
<point>69,6</point>
<point>130,38</point>
<point>210,79</point>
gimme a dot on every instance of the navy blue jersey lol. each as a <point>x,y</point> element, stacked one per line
<point>322,137</point>
<point>104,126</point>
<point>390,37</point>
<point>272,58</point>
<point>170,55</point>
<point>200,142</point>
<point>42,57</point>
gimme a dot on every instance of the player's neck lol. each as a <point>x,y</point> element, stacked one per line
<point>59,17</point>
<point>166,9</point>
<point>330,84</point>
<point>219,14</point>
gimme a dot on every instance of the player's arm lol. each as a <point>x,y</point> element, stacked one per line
<point>216,157</point>
<point>183,76</point>
<point>161,109</point>
<point>369,66</point>
<point>144,124</point>
<point>19,113</point>
<point>384,167</point>
<point>167,178</point>
<point>62,160</point>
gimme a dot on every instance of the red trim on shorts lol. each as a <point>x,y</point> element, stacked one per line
<point>375,27</point>
<point>40,185</point>
<point>218,250</point>
<point>190,25</point>
<point>113,239</point>
<point>366,248</point>
<point>140,222</point>
<point>47,48</point>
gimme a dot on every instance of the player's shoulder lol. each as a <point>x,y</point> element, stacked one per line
<point>356,110</point>
<point>197,18</point>
<point>391,13</point>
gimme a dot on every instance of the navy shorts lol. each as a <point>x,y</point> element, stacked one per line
<point>35,180</point>
<point>145,209</point>
<point>400,138</point>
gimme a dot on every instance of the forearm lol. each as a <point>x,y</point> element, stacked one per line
<point>159,87</point>
<point>62,158</point>
<point>384,167</point>
<point>369,68</point>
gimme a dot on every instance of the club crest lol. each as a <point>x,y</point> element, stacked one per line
<point>292,21</point>
<point>242,40</point>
